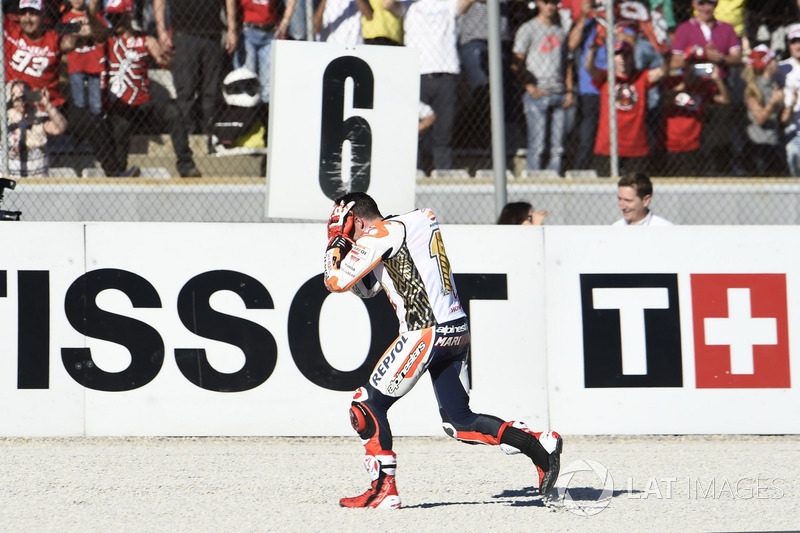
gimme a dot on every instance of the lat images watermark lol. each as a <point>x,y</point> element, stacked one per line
<point>585,487</point>
<point>759,487</point>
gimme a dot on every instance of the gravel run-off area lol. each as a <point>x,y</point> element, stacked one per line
<point>607,483</point>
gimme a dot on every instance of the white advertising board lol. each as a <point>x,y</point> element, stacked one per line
<point>341,119</point>
<point>673,330</point>
<point>215,329</point>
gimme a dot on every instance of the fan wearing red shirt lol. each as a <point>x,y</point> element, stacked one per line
<point>631,105</point>
<point>85,64</point>
<point>687,98</point>
<point>130,104</point>
<point>33,54</point>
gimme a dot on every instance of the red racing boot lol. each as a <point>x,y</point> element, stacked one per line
<point>552,443</point>
<point>381,495</point>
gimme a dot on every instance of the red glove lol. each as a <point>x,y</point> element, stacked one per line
<point>341,222</point>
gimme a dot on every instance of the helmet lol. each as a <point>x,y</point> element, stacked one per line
<point>241,88</point>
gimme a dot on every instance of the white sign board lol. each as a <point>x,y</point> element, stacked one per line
<point>341,118</point>
<point>673,330</point>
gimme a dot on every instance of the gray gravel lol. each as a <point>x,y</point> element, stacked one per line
<point>660,483</point>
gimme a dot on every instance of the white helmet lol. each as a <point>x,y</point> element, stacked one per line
<point>241,88</point>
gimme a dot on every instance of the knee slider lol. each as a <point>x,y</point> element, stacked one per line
<point>362,421</point>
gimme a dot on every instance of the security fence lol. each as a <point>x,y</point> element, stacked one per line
<point>195,148</point>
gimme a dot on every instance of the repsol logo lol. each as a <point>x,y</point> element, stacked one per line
<point>632,330</point>
<point>383,366</point>
<point>398,379</point>
<point>36,307</point>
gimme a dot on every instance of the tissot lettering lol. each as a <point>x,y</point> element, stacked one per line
<point>145,343</point>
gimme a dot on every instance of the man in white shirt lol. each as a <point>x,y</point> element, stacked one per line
<point>430,27</point>
<point>634,192</point>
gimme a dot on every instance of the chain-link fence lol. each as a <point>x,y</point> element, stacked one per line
<point>161,125</point>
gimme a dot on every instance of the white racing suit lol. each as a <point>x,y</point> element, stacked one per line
<point>405,256</point>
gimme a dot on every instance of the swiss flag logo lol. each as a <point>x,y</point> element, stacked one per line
<point>741,332</point>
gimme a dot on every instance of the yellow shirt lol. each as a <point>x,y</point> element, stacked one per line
<point>383,24</point>
<point>732,12</point>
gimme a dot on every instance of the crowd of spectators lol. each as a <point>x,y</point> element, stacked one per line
<point>702,88</point>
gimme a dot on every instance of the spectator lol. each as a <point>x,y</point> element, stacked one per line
<point>430,27</point>
<point>687,98</point>
<point>191,41</point>
<point>733,12</point>
<point>473,49</point>
<point>717,39</point>
<point>33,54</point>
<point>473,42</point>
<point>789,72</point>
<point>631,87</point>
<point>540,61</point>
<point>85,64</point>
<point>262,24</point>
<point>339,21</point>
<point>634,194</point>
<point>31,118</point>
<point>129,98</point>
<point>764,105</point>
<point>383,28</point>
<point>521,214</point>
<point>717,42</point>
<point>582,34</point>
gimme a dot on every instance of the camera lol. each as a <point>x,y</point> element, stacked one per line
<point>8,215</point>
<point>32,96</point>
<point>704,70</point>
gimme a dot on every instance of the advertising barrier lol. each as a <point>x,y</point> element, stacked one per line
<point>227,329</point>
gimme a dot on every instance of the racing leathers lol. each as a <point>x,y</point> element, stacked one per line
<point>405,257</point>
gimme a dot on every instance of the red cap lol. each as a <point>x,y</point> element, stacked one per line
<point>760,56</point>
<point>119,6</point>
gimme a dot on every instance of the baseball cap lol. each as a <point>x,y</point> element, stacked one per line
<point>38,5</point>
<point>760,56</point>
<point>119,6</point>
<point>793,32</point>
<point>622,46</point>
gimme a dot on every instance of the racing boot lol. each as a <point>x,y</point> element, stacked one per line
<point>382,493</point>
<point>552,443</point>
<point>543,448</point>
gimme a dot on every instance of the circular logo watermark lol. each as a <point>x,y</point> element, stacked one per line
<point>585,500</point>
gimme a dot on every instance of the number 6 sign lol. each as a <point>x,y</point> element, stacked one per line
<point>341,119</point>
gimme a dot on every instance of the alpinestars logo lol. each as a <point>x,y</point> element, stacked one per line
<point>632,330</point>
